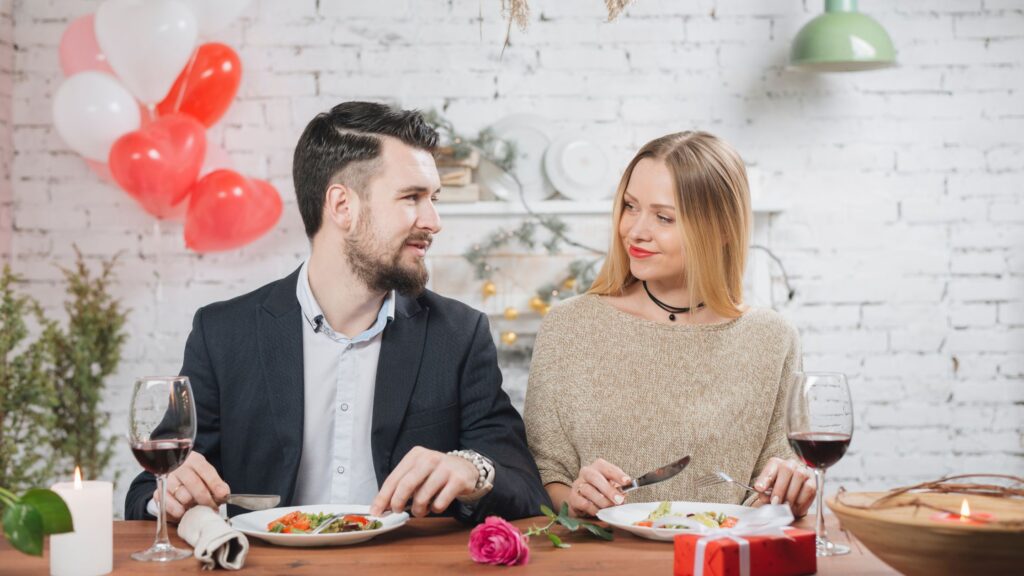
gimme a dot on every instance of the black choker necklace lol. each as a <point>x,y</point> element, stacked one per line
<point>672,310</point>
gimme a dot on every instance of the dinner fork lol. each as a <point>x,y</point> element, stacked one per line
<point>721,478</point>
<point>323,525</point>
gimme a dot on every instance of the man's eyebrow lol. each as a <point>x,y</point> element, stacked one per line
<point>417,189</point>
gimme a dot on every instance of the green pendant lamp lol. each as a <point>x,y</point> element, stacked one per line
<point>842,40</point>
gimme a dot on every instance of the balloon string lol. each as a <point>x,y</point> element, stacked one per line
<point>184,84</point>
<point>159,267</point>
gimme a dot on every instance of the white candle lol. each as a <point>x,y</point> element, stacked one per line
<point>89,550</point>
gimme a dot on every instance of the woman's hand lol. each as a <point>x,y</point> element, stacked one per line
<point>790,482</point>
<point>597,486</point>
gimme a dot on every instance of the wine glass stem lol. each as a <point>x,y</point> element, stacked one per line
<point>161,522</point>
<point>819,523</point>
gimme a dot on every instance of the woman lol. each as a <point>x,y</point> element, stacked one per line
<point>661,358</point>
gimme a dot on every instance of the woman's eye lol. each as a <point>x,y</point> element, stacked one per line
<point>628,206</point>
<point>666,219</point>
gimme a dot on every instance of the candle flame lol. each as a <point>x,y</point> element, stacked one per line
<point>965,511</point>
<point>78,478</point>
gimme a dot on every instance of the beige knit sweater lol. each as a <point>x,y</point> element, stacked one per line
<point>640,394</point>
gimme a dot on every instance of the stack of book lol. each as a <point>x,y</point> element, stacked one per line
<point>457,175</point>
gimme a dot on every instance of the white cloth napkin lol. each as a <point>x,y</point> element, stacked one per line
<point>215,543</point>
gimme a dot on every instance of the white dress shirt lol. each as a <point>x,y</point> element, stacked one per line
<point>339,375</point>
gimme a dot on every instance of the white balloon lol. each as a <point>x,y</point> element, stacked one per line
<point>91,110</point>
<point>147,43</point>
<point>212,16</point>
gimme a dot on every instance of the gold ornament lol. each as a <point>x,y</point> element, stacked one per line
<point>569,284</point>
<point>511,313</point>
<point>544,311</point>
<point>509,338</point>
<point>489,289</point>
<point>537,304</point>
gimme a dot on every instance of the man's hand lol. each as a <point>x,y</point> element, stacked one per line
<point>427,477</point>
<point>790,482</point>
<point>194,482</point>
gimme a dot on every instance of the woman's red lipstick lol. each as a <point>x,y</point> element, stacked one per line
<point>639,252</point>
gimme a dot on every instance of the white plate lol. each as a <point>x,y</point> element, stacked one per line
<point>255,524</point>
<point>530,136</point>
<point>622,517</point>
<point>579,168</point>
<point>494,178</point>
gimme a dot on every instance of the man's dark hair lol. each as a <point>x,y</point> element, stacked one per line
<point>339,147</point>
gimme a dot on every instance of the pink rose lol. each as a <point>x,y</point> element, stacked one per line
<point>498,542</point>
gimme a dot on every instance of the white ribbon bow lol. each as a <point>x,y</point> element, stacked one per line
<point>764,521</point>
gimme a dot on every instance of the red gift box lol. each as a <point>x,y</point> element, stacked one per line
<point>769,555</point>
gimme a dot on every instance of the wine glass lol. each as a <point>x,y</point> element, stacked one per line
<point>819,425</point>
<point>161,430</point>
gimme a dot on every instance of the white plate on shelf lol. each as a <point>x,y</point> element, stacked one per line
<point>623,517</point>
<point>255,524</point>
<point>495,179</point>
<point>579,168</point>
<point>530,135</point>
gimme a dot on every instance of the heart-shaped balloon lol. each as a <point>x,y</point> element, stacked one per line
<point>147,43</point>
<point>206,86</point>
<point>227,210</point>
<point>159,163</point>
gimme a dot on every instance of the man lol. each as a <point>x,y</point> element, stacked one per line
<point>347,381</point>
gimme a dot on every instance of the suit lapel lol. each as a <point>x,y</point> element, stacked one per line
<point>280,340</point>
<point>399,364</point>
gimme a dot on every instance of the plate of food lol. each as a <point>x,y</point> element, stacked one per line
<point>291,526</point>
<point>664,520</point>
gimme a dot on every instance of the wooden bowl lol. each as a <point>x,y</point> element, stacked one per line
<point>910,540</point>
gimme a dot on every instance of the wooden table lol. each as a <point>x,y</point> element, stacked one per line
<point>433,546</point>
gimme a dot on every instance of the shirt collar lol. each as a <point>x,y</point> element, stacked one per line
<point>314,316</point>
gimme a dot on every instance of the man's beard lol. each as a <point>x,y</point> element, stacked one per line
<point>368,256</point>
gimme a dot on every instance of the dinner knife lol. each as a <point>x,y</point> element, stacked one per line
<point>254,501</point>
<point>658,475</point>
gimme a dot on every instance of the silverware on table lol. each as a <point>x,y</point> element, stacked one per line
<point>721,478</point>
<point>658,475</point>
<point>323,525</point>
<point>254,501</point>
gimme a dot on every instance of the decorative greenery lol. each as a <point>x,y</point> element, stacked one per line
<point>87,354</point>
<point>518,11</point>
<point>27,393</point>
<point>499,151</point>
<point>35,514</point>
<point>570,523</point>
<point>50,392</point>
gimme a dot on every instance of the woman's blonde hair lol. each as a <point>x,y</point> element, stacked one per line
<point>713,214</point>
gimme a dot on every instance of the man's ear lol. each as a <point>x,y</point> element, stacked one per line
<point>341,206</point>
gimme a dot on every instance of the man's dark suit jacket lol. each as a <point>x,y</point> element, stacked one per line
<point>438,386</point>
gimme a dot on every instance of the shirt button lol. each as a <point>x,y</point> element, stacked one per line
<point>344,407</point>
<point>341,469</point>
<point>348,347</point>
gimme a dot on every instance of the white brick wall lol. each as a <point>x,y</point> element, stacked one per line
<point>904,231</point>
<point>6,123</point>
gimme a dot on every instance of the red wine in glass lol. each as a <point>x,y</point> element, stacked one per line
<point>160,457</point>
<point>819,449</point>
<point>161,431</point>
<point>819,425</point>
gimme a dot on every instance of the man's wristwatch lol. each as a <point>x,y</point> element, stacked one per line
<point>485,479</point>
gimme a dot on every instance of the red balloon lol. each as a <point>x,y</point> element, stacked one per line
<point>207,85</point>
<point>228,210</point>
<point>158,164</point>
